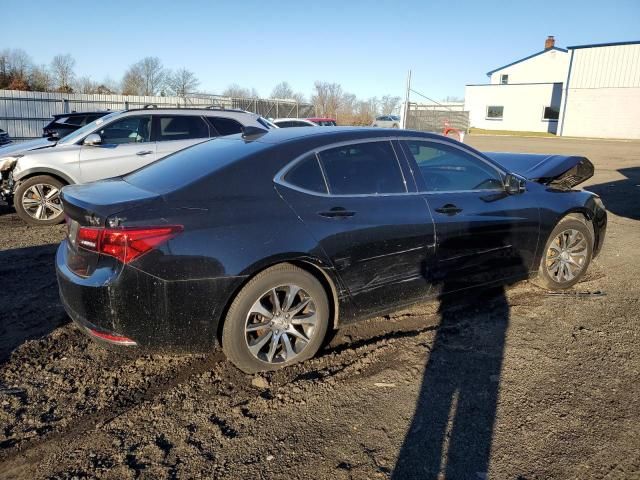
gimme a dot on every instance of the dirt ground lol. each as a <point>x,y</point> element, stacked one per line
<point>515,385</point>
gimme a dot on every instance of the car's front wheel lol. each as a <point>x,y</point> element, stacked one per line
<point>37,200</point>
<point>280,317</point>
<point>567,254</point>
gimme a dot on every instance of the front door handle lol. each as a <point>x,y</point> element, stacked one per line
<point>337,212</point>
<point>449,209</point>
<point>144,152</point>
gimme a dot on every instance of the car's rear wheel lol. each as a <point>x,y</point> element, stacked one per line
<point>280,317</point>
<point>37,200</point>
<point>567,254</point>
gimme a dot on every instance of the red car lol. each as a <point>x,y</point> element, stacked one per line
<point>323,122</point>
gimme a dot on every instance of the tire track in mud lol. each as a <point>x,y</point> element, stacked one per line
<point>355,352</point>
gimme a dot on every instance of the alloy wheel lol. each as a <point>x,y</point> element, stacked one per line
<point>566,256</point>
<point>280,324</point>
<point>42,201</point>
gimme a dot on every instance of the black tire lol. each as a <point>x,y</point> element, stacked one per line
<point>545,277</point>
<point>235,342</point>
<point>24,193</point>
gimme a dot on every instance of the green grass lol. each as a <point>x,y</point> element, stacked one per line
<point>482,131</point>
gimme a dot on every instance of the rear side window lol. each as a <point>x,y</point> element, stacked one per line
<point>77,120</point>
<point>306,174</point>
<point>225,126</point>
<point>363,168</point>
<point>181,127</point>
<point>191,164</point>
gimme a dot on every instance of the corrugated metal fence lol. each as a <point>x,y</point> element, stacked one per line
<point>432,117</point>
<point>23,114</point>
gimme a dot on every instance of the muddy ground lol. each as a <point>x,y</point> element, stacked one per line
<point>515,385</point>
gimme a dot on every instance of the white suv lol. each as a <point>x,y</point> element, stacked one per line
<point>32,174</point>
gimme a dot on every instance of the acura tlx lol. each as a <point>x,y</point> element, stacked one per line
<point>264,241</point>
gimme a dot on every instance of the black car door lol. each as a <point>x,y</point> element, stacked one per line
<point>380,238</point>
<point>483,234</point>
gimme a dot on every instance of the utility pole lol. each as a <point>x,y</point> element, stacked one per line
<point>405,113</point>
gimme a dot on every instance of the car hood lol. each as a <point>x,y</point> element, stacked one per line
<point>21,147</point>
<point>562,171</point>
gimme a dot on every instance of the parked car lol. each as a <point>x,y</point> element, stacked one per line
<point>387,121</point>
<point>4,138</point>
<point>323,121</point>
<point>267,241</point>
<point>293,122</point>
<point>33,173</point>
<point>65,123</point>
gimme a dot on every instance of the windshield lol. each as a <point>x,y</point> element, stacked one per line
<point>267,123</point>
<point>74,136</point>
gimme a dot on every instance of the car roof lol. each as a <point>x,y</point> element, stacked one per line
<point>321,119</point>
<point>72,114</point>
<point>291,119</point>
<point>283,135</point>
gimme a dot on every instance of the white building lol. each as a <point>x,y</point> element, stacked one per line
<point>531,94</point>
<point>602,96</point>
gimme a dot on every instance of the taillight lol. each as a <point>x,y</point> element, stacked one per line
<point>125,244</point>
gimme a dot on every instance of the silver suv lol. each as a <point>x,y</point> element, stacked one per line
<point>33,173</point>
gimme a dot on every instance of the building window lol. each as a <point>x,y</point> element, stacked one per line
<point>550,114</point>
<point>504,79</point>
<point>494,112</point>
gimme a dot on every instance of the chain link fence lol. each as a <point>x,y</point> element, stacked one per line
<point>432,117</point>
<point>24,114</point>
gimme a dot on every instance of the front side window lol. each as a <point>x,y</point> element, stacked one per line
<point>550,113</point>
<point>447,168</point>
<point>181,127</point>
<point>127,130</point>
<point>225,126</point>
<point>363,168</point>
<point>504,79</point>
<point>306,174</point>
<point>495,112</point>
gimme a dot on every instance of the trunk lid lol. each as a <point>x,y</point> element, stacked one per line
<point>96,205</point>
<point>559,171</point>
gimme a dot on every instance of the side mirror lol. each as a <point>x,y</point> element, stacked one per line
<point>514,185</point>
<point>92,140</point>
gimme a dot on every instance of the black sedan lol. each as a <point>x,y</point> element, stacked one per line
<point>265,241</point>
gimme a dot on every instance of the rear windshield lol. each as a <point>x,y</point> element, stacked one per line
<point>186,166</point>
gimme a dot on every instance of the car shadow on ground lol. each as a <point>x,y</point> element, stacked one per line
<point>29,302</point>
<point>618,196</point>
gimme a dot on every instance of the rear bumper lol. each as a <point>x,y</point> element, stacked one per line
<point>156,314</point>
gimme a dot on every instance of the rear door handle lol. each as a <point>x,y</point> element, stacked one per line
<point>449,209</point>
<point>337,212</point>
<point>144,152</point>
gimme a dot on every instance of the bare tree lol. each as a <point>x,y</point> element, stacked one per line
<point>182,82</point>
<point>326,98</point>
<point>40,79</point>
<point>389,104</point>
<point>146,77</point>
<point>85,84</point>
<point>282,91</point>
<point>236,91</point>
<point>15,66</point>
<point>62,71</point>
<point>153,75</point>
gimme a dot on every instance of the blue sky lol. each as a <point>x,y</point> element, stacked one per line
<point>366,46</point>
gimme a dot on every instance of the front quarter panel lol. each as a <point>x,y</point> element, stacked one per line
<point>59,161</point>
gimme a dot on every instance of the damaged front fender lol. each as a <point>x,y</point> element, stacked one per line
<point>7,165</point>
